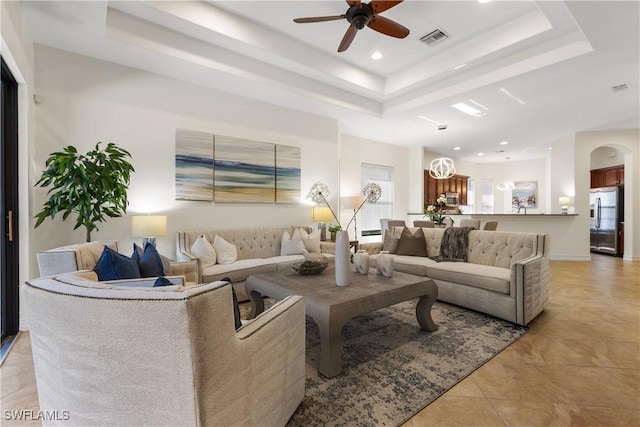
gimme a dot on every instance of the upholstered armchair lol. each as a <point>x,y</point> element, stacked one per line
<point>168,356</point>
<point>84,256</point>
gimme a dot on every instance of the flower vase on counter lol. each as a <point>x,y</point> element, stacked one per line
<point>342,259</point>
<point>361,262</point>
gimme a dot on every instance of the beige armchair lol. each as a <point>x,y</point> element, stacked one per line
<point>117,356</point>
<point>84,256</point>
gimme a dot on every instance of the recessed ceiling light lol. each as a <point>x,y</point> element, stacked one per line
<point>477,104</point>
<point>468,109</point>
<point>457,67</point>
<point>483,1</point>
<point>430,120</point>
<point>376,55</point>
<point>512,96</point>
<point>456,148</point>
<point>480,154</point>
<point>550,148</point>
<point>504,143</point>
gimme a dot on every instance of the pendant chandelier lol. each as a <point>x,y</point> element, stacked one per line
<point>442,167</point>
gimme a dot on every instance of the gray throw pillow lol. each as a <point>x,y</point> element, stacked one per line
<point>413,245</point>
<point>390,243</point>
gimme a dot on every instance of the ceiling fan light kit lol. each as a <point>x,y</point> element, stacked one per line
<point>360,15</point>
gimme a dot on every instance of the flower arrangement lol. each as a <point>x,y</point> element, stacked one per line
<point>319,193</point>
<point>435,213</point>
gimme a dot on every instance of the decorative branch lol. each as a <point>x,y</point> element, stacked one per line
<point>319,193</point>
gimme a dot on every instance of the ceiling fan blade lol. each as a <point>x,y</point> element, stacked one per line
<point>382,5</point>
<point>318,19</point>
<point>387,26</point>
<point>353,2</point>
<point>348,38</point>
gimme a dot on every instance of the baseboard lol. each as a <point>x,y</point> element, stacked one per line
<point>557,257</point>
<point>630,258</point>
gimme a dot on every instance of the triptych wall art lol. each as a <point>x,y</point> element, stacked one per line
<point>226,169</point>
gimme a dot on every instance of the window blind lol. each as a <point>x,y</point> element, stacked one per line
<point>383,208</point>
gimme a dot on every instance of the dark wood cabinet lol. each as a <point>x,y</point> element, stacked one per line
<point>433,188</point>
<point>607,177</point>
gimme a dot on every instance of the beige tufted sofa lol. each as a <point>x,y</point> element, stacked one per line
<point>258,252</point>
<point>506,274</point>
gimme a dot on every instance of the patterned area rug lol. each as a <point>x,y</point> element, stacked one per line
<point>392,369</point>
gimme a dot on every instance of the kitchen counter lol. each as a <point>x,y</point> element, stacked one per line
<point>501,215</point>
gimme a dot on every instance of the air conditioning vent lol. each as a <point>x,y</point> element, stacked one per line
<point>618,88</point>
<point>435,36</point>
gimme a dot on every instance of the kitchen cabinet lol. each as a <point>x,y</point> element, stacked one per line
<point>434,187</point>
<point>607,177</point>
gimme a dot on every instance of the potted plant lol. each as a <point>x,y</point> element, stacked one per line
<point>435,213</point>
<point>93,185</point>
<point>333,229</point>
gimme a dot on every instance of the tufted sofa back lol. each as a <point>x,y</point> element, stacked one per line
<point>494,248</point>
<point>251,242</point>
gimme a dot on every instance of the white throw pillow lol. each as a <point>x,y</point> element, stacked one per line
<point>205,252</point>
<point>311,240</point>
<point>292,245</point>
<point>227,252</point>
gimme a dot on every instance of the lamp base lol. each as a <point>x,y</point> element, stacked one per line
<point>323,231</point>
<point>564,210</point>
<point>151,240</point>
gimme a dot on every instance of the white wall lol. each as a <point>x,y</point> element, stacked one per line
<point>17,51</point>
<point>604,157</point>
<point>85,101</point>
<point>355,151</point>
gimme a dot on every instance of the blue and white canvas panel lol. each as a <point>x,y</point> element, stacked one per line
<point>287,174</point>
<point>194,165</point>
<point>244,171</point>
<point>525,193</point>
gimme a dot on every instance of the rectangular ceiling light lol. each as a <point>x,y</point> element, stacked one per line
<point>429,120</point>
<point>512,96</point>
<point>468,109</point>
<point>477,104</point>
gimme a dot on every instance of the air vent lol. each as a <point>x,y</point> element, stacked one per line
<point>435,36</point>
<point>620,87</point>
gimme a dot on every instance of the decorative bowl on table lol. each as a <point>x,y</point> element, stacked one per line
<point>310,267</point>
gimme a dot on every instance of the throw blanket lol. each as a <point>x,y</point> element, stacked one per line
<point>455,244</point>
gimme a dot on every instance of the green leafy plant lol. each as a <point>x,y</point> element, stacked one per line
<point>334,228</point>
<point>93,185</point>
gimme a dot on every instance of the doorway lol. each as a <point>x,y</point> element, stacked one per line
<point>9,250</point>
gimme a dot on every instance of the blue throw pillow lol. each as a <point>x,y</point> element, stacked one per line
<point>114,266</point>
<point>162,281</point>
<point>236,307</point>
<point>149,261</point>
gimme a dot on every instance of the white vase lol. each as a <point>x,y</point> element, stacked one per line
<point>384,264</point>
<point>342,259</point>
<point>361,262</point>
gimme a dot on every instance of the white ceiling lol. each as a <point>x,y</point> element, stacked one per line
<point>559,58</point>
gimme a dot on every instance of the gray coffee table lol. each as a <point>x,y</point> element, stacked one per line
<point>331,306</point>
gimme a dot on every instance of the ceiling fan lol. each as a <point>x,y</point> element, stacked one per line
<point>360,15</point>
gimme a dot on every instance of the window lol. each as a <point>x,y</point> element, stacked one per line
<point>383,208</point>
<point>471,194</point>
<point>486,194</point>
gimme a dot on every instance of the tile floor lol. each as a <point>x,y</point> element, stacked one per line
<point>578,365</point>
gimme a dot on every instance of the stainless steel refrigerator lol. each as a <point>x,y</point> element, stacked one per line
<point>604,219</point>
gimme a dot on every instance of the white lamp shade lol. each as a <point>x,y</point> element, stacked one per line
<point>352,202</point>
<point>564,200</point>
<point>322,214</point>
<point>148,225</point>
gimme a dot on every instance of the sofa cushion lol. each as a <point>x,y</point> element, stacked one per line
<point>113,266</point>
<point>204,251</point>
<point>487,277</point>
<point>239,270</point>
<point>226,253</point>
<point>311,240</point>
<point>292,244</point>
<point>390,243</point>
<point>149,261</point>
<point>412,243</point>
<point>407,264</point>
<point>500,248</point>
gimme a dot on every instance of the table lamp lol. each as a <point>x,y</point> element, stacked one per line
<point>564,201</point>
<point>322,215</point>
<point>148,227</point>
